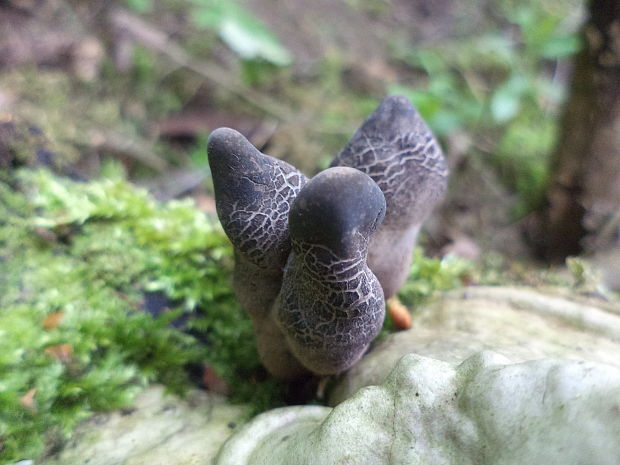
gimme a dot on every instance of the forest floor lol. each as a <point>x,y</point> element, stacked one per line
<point>108,90</point>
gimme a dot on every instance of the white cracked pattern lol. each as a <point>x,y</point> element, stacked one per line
<point>331,306</point>
<point>398,151</point>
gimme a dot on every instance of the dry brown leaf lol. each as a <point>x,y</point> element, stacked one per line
<point>52,320</point>
<point>27,400</point>
<point>399,313</point>
<point>213,382</point>
<point>60,352</point>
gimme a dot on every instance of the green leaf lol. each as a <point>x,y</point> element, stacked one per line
<point>445,122</point>
<point>250,40</point>
<point>241,31</point>
<point>431,61</point>
<point>208,14</point>
<point>561,47</point>
<point>506,100</point>
<point>140,6</point>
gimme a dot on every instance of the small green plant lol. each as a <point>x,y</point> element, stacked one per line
<point>429,275</point>
<point>499,87</point>
<point>587,279</point>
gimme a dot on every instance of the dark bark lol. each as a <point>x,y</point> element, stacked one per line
<point>584,192</point>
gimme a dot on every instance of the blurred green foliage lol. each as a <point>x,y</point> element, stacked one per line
<point>499,87</point>
<point>140,6</point>
<point>240,30</point>
<point>88,252</point>
<point>235,25</point>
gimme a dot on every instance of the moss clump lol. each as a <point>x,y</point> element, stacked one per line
<point>75,262</point>
<point>429,275</point>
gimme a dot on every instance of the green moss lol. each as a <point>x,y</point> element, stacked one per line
<point>44,101</point>
<point>76,260</point>
<point>429,275</point>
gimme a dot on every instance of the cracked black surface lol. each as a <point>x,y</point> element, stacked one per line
<point>398,151</point>
<point>253,193</point>
<point>331,305</point>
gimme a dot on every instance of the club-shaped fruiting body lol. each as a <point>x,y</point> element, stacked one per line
<point>331,305</point>
<point>398,151</point>
<point>253,196</point>
<point>304,250</point>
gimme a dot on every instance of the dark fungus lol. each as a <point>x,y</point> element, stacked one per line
<point>314,260</point>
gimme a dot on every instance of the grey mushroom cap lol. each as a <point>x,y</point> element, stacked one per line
<point>315,259</point>
<point>336,208</point>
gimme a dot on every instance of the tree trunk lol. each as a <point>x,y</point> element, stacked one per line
<point>584,193</point>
